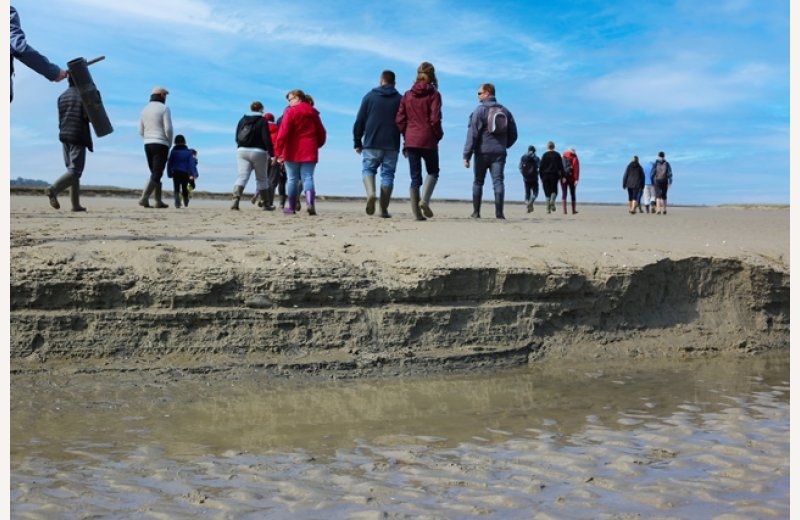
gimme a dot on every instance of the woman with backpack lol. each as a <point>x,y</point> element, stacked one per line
<point>661,177</point>
<point>572,171</point>
<point>253,152</point>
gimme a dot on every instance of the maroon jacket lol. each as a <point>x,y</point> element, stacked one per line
<point>300,134</point>
<point>419,117</point>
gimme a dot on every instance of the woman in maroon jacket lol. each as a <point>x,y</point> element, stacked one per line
<point>300,136</point>
<point>419,119</point>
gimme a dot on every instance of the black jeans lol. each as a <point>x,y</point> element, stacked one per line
<point>415,158</point>
<point>157,155</point>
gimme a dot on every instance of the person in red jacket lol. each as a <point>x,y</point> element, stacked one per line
<point>300,136</point>
<point>572,172</point>
<point>419,119</point>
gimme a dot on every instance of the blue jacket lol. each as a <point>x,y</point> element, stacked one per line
<point>479,140</point>
<point>27,54</point>
<point>181,160</point>
<point>652,175</point>
<point>375,120</point>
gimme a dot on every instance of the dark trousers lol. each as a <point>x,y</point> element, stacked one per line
<point>531,189</point>
<point>569,185</point>
<point>550,185</point>
<point>495,163</point>
<point>157,155</point>
<point>415,158</point>
<point>180,183</point>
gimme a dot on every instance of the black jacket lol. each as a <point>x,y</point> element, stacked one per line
<point>634,176</point>
<point>73,122</point>
<point>259,138</point>
<point>551,165</point>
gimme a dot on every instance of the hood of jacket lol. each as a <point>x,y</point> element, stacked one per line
<point>422,89</point>
<point>386,91</point>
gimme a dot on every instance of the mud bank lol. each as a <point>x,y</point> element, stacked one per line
<point>342,294</point>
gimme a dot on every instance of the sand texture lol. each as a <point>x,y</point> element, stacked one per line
<point>343,294</point>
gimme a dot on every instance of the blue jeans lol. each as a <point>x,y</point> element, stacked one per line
<point>495,163</point>
<point>415,157</point>
<point>296,170</point>
<point>372,158</point>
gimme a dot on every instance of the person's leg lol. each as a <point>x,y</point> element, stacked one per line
<point>370,160</point>
<point>572,189</point>
<point>160,157</point>
<point>260,161</point>
<point>479,167</point>
<point>77,160</point>
<point>664,197</point>
<point>176,189</point>
<point>415,171</point>
<point>431,158</point>
<point>307,173</point>
<point>185,189</point>
<point>244,168</point>
<point>282,183</point>
<point>388,170</point>
<point>292,175</point>
<point>498,183</point>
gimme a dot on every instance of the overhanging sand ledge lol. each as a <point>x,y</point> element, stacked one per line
<point>345,295</point>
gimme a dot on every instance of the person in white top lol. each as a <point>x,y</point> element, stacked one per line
<point>155,127</point>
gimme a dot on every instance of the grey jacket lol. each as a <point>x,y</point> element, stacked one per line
<point>479,140</point>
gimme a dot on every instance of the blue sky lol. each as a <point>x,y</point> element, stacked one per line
<point>707,82</point>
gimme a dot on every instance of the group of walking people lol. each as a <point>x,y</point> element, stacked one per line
<point>651,186</point>
<point>554,169</point>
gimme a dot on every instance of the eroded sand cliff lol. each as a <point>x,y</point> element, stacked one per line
<point>342,294</point>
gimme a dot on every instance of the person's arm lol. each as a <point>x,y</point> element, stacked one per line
<point>359,126</point>
<point>512,130</point>
<point>30,56</point>
<point>576,169</point>
<point>472,137</point>
<point>168,124</point>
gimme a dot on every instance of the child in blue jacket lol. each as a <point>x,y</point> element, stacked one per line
<point>181,168</point>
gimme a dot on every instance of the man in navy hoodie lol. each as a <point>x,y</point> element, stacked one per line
<point>377,139</point>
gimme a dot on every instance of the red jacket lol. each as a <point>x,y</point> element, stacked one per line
<point>576,165</point>
<point>300,134</point>
<point>419,117</point>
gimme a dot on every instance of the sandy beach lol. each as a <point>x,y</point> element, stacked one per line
<point>207,288</point>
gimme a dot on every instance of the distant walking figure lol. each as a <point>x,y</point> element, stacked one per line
<point>155,126</point>
<point>253,151</point>
<point>572,172</point>
<point>633,181</point>
<point>529,168</point>
<point>182,169</point>
<point>551,169</point>
<point>661,177</point>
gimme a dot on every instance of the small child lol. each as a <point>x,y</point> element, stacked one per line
<point>181,167</point>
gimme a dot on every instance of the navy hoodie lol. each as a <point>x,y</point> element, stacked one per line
<point>375,120</point>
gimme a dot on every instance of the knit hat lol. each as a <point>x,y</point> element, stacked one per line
<point>269,117</point>
<point>160,90</point>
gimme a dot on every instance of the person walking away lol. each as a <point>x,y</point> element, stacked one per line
<point>253,151</point>
<point>551,169</point>
<point>377,139</point>
<point>33,59</point>
<point>300,136</point>
<point>648,193</point>
<point>529,168</point>
<point>572,171</point>
<point>419,120</point>
<point>491,131</point>
<point>75,137</point>
<point>181,167</point>
<point>633,181</point>
<point>155,127</point>
<point>273,168</point>
<point>661,178</point>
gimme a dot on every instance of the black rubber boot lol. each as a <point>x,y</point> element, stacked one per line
<point>414,198</point>
<point>75,194</point>
<point>386,197</point>
<point>237,196</point>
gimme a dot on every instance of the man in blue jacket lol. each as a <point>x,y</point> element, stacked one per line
<point>381,140</point>
<point>490,133</point>
<point>29,56</point>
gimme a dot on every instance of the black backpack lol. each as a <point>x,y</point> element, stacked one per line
<point>246,132</point>
<point>661,171</point>
<point>527,165</point>
<point>567,166</point>
<point>497,120</point>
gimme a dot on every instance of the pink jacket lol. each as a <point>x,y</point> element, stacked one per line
<point>301,134</point>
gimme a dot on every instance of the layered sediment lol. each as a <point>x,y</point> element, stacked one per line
<point>207,289</point>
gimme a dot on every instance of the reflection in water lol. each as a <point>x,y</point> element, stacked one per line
<point>647,437</point>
